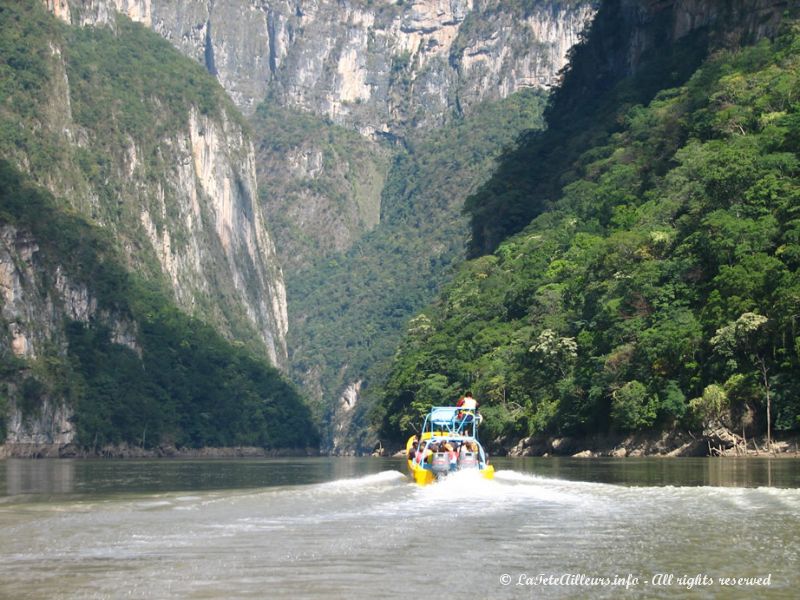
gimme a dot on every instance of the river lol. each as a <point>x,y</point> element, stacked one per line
<point>356,528</point>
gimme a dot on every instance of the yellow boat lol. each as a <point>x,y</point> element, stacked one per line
<point>448,443</point>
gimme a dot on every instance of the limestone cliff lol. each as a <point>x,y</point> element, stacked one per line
<point>378,66</point>
<point>384,69</point>
<point>33,310</point>
<point>33,313</point>
<point>179,189</point>
<point>167,167</point>
<point>320,184</point>
<point>652,24</point>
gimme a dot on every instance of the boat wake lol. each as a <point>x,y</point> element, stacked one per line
<point>375,480</point>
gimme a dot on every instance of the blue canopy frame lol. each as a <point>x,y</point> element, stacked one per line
<point>451,420</point>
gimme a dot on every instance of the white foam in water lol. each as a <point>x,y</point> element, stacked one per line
<point>507,489</point>
<point>519,477</point>
<point>530,479</point>
<point>377,532</point>
<point>513,478</point>
<point>375,479</point>
<point>153,504</point>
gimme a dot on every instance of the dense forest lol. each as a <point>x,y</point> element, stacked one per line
<point>656,285</point>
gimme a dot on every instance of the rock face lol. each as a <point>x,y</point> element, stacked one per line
<point>377,66</point>
<point>320,184</point>
<point>627,30</point>
<point>33,313</point>
<point>343,419</point>
<point>216,180</point>
<point>179,197</point>
<point>195,209</point>
<point>386,70</point>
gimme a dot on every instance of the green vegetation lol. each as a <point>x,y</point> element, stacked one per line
<point>657,288</point>
<point>125,83</point>
<point>339,183</point>
<point>179,382</point>
<point>138,84</point>
<point>27,66</point>
<point>349,311</point>
<point>128,87</point>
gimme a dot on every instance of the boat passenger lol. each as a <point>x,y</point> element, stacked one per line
<point>427,454</point>
<point>451,452</point>
<point>453,457</point>
<point>412,451</point>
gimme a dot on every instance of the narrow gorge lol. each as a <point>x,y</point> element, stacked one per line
<point>336,104</point>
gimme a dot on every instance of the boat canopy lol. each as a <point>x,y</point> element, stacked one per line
<point>451,420</point>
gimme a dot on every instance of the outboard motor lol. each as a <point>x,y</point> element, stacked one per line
<point>440,464</point>
<point>468,460</point>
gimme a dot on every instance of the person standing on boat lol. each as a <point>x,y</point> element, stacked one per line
<point>469,409</point>
<point>467,402</point>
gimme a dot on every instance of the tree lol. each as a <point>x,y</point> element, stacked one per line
<point>631,407</point>
<point>711,406</point>
<point>742,338</point>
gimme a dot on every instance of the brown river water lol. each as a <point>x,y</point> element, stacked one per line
<point>357,528</point>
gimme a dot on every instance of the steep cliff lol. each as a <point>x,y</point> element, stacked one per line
<point>143,146</point>
<point>320,184</point>
<point>33,310</point>
<point>381,68</point>
<point>377,66</point>
<point>311,73</point>
<point>33,320</point>
<point>148,148</point>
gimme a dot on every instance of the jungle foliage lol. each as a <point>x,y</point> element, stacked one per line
<point>582,112</point>
<point>657,288</point>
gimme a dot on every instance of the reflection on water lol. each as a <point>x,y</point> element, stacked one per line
<point>46,477</point>
<point>654,471</point>
<point>82,477</point>
<point>22,477</point>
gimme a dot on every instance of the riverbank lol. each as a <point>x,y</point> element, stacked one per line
<point>713,441</point>
<point>126,451</point>
<point>716,441</point>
